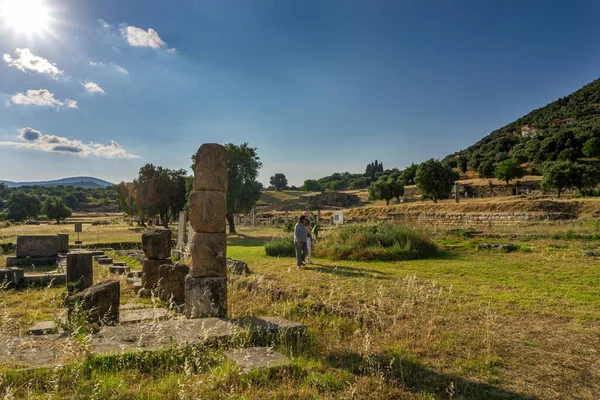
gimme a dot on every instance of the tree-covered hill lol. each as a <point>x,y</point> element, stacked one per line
<point>559,131</point>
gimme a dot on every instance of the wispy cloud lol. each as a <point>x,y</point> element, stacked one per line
<point>41,97</point>
<point>103,23</point>
<point>140,38</point>
<point>92,87</point>
<point>172,50</point>
<point>116,67</point>
<point>30,138</point>
<point>27,61</point>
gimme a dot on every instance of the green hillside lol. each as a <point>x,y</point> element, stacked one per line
<point>559,131</point>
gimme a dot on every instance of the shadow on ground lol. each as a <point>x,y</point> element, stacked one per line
<point>247,241</point>
<point>352,272</point>
<point>417,378</point>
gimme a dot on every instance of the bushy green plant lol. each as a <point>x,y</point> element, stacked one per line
<point>280,248</point>
<point>383,241</point>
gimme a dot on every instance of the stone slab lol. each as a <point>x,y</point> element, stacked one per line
<point>162,334</point>
<point>134,274</point>
<point>43,279</point>
<point>116,269</point>
<point>207,211</point>
<point>29,261</point>
<point>131,316</point>
<point>205,297</point>
<point>80,271</point>
<point>63,242</point>
<point>209,255</point>
<point>37,246</point>
<point>120,264</point>
<point>43,328</point>
<point>134,280</point>
<point>105,261</point>
<point>11,277</point>
<point>210,168</point>
<point>100,302</point>
<point>271,325</point>
<point>136,286</point>
<point>257,358</point>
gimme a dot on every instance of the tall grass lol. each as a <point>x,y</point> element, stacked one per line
<point>283,247</point>
<point>376,241</point>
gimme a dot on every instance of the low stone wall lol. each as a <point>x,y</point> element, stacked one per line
<point>441,218</point>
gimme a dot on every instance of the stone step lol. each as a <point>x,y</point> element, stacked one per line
<point>105,261</point>
<point>115,269</point>
<point>252,358</point>
<point>120,264</point>
<point>43,279</point>
<point>134,274</point>
<point>43,328</point>
<point>142,315</point>
<point>96,258</point>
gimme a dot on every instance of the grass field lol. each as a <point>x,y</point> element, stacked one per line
<point>464,324</point>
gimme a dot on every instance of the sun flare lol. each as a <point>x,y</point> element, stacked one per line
<point>25,16</point>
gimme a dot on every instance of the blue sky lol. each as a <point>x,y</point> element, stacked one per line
<point>317,86</point>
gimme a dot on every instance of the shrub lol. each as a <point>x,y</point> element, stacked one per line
<point>281,248</point>
<point>383,241</point>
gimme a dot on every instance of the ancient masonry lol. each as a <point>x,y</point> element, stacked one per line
<point>157,249</point>
<point>206,284</point>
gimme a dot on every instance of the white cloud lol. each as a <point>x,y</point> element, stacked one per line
<point>30,138</point>
<point>103,23</point>
<point>140,38</point>
<point>41,97</point>
<point>172,50</point>
<point>26,61</point>
<point>117,67</point>
<point>120,69</point>
<point>92,87</point>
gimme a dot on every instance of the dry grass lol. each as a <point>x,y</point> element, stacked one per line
<point>467,324</point>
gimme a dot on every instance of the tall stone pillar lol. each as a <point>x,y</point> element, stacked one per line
<point>254,216</point>
<point>80,271</point>
<point>206,284</point>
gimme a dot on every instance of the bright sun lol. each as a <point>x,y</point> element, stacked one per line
<point>25,16</point>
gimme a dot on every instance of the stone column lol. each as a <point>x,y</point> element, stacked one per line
<point>206,284</point>
<point>456,192</point>
<point>181,230</point>
<point>80,271</point>
<point>157,249</point>
<point>63,242</point>
<point>318,217</point>
<point>254,216</point>
<point>286,217</point>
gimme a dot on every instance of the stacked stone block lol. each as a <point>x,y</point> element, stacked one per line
<point>157,249</point>
<point>206,284</point>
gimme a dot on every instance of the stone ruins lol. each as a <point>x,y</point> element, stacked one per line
<point>157,249</point>
<point>39,249</point>
<point>206,284</point>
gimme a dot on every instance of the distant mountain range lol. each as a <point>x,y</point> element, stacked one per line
<point>86,182</point>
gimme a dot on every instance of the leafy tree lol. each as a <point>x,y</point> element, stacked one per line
<point>21,206</point>
<point>54,208</point>
<point>337,185</point>
<point>311,185</point>
<point>408,175</point>
<point>508,170</point>
<point>461,163</point>
<point>359,183</point>
<point>486,169</point>
<point>561,175</point>
<point>396,186</point>
<point>279,182</point>
<point>381,190</point>
<point>372,169</point>
<point>435,180</point>
<point>126,199</point>
<point>591,148</point>
<point>157,191</point>
<point>71,201</point>
<point>243,189</point>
